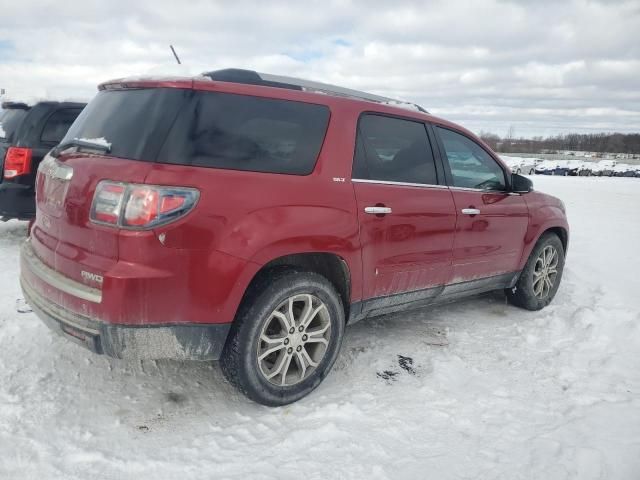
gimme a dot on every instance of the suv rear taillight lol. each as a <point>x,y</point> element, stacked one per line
<point>17,162</point>
<point>140,206</point>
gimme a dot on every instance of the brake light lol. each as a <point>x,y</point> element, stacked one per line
<point>140,206</point>
<point>17,162</point>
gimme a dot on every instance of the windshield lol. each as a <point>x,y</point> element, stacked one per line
<point>134,123</point>
<point>10,121</point>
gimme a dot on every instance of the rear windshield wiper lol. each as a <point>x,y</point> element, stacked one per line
<point>82,145</point>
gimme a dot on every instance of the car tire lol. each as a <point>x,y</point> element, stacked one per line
<point>532,291</point>
<point>532,172</point>
<point>246,361</point>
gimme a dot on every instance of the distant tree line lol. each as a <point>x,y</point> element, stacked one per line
<point>584,142</point>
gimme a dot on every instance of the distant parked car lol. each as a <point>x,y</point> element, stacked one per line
<point>512,162</point>
<point>579,168</point>
<point>586,169</point>
<point>636,170</point>
<point>623,170</point>
<point>27,133</point>
<point>521,165</point>
<point>545,167</point>
<point>596,170</point>
<point>604,168</point>
<point>562,168</point>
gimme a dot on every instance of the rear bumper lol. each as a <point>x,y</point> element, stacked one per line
<point>181,342</point>
<point>17,201</point>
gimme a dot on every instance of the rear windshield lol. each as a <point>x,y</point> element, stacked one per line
<point>134,122</point>
<point>10,120</point>
<point>206,129</point>
<point>240,132</point>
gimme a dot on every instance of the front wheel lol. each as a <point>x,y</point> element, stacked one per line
<point>540,278</point>
<point>285,339</point>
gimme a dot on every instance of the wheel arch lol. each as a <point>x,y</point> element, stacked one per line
<point>561,232</point>
<point>331,266</point>
<point>533,236</point>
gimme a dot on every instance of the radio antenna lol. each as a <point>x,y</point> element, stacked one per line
<point>175,54</point>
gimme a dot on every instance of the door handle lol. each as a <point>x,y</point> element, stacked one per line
<point>377,210</point>
<point>470,211</point>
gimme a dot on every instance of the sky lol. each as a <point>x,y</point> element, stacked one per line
<point>539,67</point>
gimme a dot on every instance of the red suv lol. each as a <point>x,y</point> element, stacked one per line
<point>248,218</point>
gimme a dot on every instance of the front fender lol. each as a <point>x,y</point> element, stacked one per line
<point>543,216</point>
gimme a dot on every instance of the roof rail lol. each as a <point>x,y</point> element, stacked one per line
<point>251,77</point>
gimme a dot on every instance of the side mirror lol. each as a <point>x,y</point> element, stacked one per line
<point>520,184</point>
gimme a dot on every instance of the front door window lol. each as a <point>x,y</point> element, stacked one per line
<point>471,166</point>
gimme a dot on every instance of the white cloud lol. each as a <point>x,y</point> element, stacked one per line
<point>542,66</point>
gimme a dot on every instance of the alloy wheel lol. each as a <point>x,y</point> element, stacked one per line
<point>545,272</point>
<point>294,339</point>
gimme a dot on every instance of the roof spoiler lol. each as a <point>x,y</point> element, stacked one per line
<point>14,105</point>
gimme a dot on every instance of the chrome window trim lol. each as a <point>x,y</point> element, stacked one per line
<point>426,185</point>
<point>399,184</point>
<point>467,189</point>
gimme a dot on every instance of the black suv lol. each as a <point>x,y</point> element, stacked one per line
<point>27,133</point>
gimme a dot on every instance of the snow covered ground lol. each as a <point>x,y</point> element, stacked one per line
<point>486,391</point>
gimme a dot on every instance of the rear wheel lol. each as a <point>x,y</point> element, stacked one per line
<point>285,339</point>
<point>540,279</point>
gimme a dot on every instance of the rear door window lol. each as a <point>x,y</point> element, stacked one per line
<point>10,120</point>
<point>134,122</point>
<point>393,149</point>
<point>471,166</point>
<point>58,123</point>
<point>239,132</point>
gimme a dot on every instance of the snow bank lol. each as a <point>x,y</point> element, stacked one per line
<point>478,389</point>
<point>406,105</point>
<point>166,72</point>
